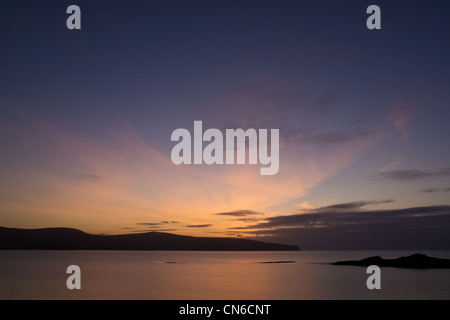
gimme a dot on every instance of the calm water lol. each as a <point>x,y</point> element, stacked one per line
<point>177,275</point>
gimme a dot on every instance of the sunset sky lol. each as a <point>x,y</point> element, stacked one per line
<point>87,117</point>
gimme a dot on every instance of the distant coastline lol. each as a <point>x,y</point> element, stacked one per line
<point>74,239</point>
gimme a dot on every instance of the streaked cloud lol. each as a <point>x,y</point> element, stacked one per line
<point>352,225</point>
<point>398,159</point>
<point>430,216</point>
<point>400,116</point>
<point>199,225</point>
<point>357,205</point>
<point>432,190</point>
<point>410,175</point>
<point>148,223</point>
<point>331,139</point>
<point>247,219</point>
<point>238,213</point>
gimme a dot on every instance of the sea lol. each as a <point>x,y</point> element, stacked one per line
<point>213,275</point>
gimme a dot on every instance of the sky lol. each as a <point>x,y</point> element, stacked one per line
<point>87,117</point>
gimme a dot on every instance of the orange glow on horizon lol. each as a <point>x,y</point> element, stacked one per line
<point>111,188</point>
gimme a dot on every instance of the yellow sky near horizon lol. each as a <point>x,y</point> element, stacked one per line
<point>116,187</point>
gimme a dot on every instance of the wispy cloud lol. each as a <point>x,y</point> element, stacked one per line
<point>400,116</point>
<point>331,139</point>
<point>238,213</point>
<point>432,190</point>
<point>431,216</point>
<point>199,225</point>
<point>398,159</point>
<point>407,228</point>
<point>156,225</point>
<point>357,205</point>
<point>248,219</point>
<point>410,175</point>
<point>403,175</point>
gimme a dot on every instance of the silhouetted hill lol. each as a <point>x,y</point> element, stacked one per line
<point>417,261</point>
<point>73,239</point>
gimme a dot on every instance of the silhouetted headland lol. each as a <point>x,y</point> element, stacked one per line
<point>416,261</point>
<point>73,239</point>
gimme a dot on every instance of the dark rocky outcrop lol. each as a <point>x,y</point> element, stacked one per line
<point>416,261</point>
